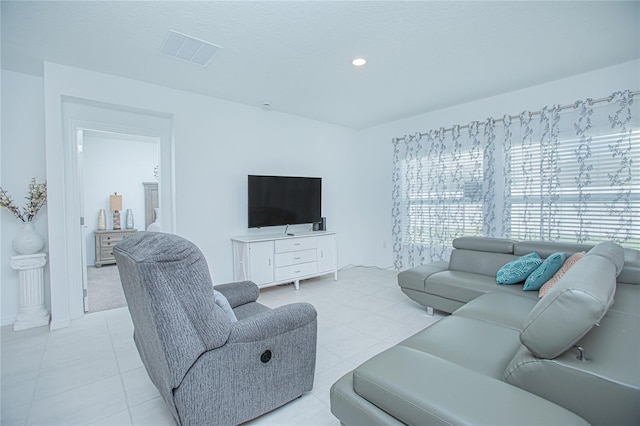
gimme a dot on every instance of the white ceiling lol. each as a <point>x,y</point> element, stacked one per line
<point>422,55</point>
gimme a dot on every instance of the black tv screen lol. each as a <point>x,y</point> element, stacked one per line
<point>283,200</point>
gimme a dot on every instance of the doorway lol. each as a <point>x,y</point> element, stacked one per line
<point>65,204</point>
<point>112,163</point>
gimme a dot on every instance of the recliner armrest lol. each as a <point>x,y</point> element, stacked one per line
<point>239,293</point>
<point>272,323</point>
<point>419,388</point>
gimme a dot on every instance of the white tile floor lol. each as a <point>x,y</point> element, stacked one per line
<point>90,373</point>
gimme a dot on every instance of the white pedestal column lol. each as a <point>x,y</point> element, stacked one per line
<point>32,312</point>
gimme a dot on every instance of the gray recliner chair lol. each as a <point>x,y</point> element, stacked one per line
<point>209,369</point>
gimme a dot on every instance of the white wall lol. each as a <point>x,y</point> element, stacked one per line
<point>115,165</point>
<point>23,157</point>
<point>376,141</point>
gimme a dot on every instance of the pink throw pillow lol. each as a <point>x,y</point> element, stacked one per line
<point>563,270</point>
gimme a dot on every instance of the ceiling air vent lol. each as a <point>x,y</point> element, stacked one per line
<point>189,49</point>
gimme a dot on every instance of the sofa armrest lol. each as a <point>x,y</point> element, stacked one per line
<point>239,293</point>
<point>272,323</point>
<point>419,388</point>
<point>414,278</point>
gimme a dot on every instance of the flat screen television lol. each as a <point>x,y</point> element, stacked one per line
<point>283,200</point>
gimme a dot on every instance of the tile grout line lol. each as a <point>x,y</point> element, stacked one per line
<point>35,387</point>
<point>115,355</point>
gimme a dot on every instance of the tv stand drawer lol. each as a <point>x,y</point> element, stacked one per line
<point>295,244</point>
<point>295,257</point>
<point>296,271</point>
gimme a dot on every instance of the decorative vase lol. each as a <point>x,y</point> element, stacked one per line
<point>102,220</point>
<point>28,241</point>
<point>129,222</point>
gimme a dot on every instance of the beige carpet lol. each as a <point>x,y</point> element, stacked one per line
<point>105,289</point>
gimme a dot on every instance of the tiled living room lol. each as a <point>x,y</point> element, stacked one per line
<point>470,205</point>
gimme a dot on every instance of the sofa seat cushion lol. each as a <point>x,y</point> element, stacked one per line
<point>420,389</point>
<point>505,309</point>
<point>463,341</point>
<point>414,278</point>
<point>466,286</point>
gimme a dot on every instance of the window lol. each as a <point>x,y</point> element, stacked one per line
<point>586,191</point>
<point>567,174</point>
<point>447,210</point>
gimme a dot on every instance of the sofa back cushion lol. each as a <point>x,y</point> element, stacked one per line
<point>481,255</point>
<point>478,262</point>
<point>631,270</point>
<point>610,251</point>
<point>547,248</point>
<point>493,245</point>
<point>574,304</point>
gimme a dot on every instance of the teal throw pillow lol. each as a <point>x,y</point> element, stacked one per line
<point>544,272</point>
<point>518,269</point>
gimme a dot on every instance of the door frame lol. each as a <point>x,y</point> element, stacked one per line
<point>65,246</point>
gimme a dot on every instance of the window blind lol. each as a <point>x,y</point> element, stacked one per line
<point>589,201</point>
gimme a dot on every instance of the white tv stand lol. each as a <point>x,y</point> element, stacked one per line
<point>270,260</point>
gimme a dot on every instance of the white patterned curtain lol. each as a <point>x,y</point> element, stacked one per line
<point>567,173</point>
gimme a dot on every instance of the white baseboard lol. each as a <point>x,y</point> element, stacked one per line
<point>7,320</point>
<point>61,323</point>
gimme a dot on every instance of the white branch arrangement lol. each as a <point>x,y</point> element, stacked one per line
<point>36,199</point>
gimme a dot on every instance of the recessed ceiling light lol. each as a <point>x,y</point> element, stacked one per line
<point>358,62</point>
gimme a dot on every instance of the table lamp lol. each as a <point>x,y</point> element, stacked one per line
<point>115,203</point>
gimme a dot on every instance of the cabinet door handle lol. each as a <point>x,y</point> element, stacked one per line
<point>269,261</point>
<point>296,258</point>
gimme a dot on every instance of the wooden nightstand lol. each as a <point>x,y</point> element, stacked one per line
<point>105,240</point>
